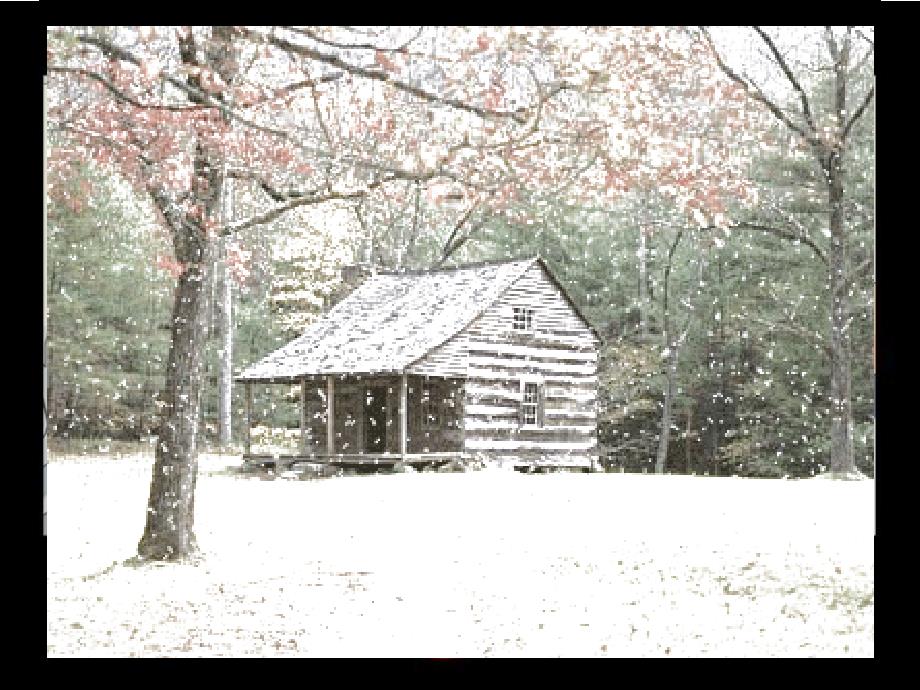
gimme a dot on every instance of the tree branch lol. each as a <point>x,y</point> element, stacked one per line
<point>118,93</point>
<point>353,46</point>
<point>296,199</point>
<point>381,76</point>
<point>290,88</point>
<point>449,247</point>
<point>754,92</point>
<point>831,43</point>
<point>858,113</point>
<point>415,218</point>
<point>667,276</point>
<point>786,235</point>
<point>857,272</point>
<point>783,233</point>
<point>195,94</point>
<point>806,110</point>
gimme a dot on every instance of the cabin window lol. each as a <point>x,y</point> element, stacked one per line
<point>530,405</point>
<point>522,319</point>
<point>431,410</point>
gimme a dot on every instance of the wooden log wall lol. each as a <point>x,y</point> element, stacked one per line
<point>560,352</point>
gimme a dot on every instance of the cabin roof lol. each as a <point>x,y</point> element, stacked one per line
<point>392,320</point>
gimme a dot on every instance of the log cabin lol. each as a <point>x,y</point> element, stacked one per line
<point>491,362</point>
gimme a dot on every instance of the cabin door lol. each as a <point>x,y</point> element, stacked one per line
<point>375,419</point>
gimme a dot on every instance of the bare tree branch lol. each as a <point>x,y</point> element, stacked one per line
<point>375,257</point>
<point>667,276</point>
<point>296,86</point>
<point>859,270</point>
<point>831,43</point>
<point>757,94</point>
<point>786,234</point>
<point>858,113</point>
<point>450,246</point>
<point>783,233</point>
<point>195,94</point>
<point>806,110</point>
<point>354,46</point>
<point>321,120</point>
<point>415,218</point>
<point>118,93</point>
<point>295,199</point>
<point>382,76</point>
<point>865,58</point>
<point>273,214</point>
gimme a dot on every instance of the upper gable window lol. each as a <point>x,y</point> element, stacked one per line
<point>522,319</point>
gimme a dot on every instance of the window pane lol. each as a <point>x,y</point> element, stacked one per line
<point>522,319</point>
<point>529,404</point>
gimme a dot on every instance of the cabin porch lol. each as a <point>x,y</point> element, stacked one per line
<point>359,460</point>
<point>376,421</point>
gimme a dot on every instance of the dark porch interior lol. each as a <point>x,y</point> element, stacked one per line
<point>367,423</point>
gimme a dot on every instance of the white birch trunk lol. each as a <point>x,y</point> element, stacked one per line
<point>225,365</point>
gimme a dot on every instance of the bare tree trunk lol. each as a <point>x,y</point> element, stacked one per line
<point>663,439</point>
<point>169,533</point>
<point>642,255</point>
<point>45,314</point>
<point>842,456</point>
<point>828,147</point>
<point>225,364</point>
<point>671,346</point>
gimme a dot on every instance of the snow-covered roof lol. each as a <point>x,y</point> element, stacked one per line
<point>390,321</point>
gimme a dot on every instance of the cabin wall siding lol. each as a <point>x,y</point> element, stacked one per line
<point>561,351</point>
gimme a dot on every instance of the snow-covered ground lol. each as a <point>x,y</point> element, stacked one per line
<point>486,563</point>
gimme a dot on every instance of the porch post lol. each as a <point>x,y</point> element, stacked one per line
<point>330,415</point>
<point>403,414</point>
<point>303,416</point>
<point>248,436</point>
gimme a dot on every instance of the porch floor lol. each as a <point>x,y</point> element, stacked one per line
<point>352,460</point>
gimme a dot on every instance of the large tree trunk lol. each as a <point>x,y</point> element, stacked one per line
<point>169,532</point>
<point>842,456</point>
<point>828,145</point>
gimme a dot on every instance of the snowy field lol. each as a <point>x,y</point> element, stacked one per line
<point>486,563</point>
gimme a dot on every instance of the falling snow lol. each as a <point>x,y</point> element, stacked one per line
<point>254,204</point>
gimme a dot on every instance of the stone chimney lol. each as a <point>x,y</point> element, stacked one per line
<point>352,276</point>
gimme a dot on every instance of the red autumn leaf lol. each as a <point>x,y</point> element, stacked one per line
<point>385,62</point>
